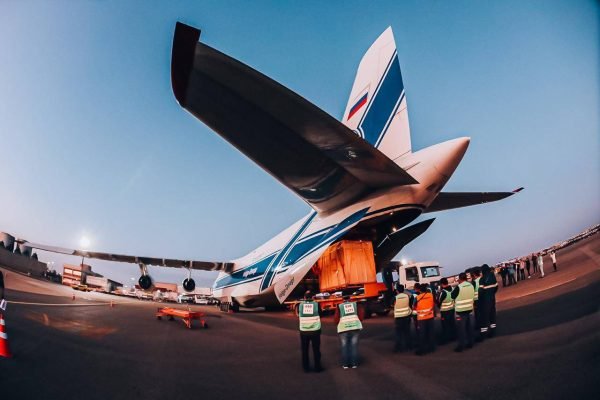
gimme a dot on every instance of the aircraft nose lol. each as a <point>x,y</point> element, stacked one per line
<point>450,154</point>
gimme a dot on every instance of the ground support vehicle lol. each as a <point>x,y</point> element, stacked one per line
<point>186,316</point>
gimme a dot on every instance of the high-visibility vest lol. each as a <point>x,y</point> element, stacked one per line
<point>402,307</point>
<point>308,311</point>
<point>464,300</point>
<point>424,306</point>
<point>476,288</point>
<point>448,302</point>
<point>348,317</point>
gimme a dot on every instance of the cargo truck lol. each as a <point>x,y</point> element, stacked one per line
<point>416,272</point>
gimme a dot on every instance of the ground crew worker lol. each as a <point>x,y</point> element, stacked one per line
<point>425,314</point>
<point>487,300</point>
<point>463,296</point>
<point>402,316</point>
<point>310,331</point>
<point>475,281</point>
<point>348,323</point>
<point>446,305</point>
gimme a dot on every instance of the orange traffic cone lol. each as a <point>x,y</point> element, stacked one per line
<point>4,351</point>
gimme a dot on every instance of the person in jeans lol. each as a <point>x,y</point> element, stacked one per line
<point>349,325</point>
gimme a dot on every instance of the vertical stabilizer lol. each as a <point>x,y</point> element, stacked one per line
<point>376,109</point>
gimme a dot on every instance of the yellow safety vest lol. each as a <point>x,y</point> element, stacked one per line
<point>448,303</point>
<point>464,300</point>
<point>402,308</point>
<point>308,311</point>
<point>349,320</point>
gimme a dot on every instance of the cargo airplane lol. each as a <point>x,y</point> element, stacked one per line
<point>359,176</point>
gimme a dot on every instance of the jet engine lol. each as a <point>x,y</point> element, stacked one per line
<point>188,285</point>
<point>145,282</point>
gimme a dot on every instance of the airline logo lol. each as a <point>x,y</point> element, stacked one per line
<point>250,272</point>
<point>358,105</point>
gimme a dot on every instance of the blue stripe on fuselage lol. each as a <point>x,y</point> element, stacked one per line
<point>270,272</point>
<point>302,249</point>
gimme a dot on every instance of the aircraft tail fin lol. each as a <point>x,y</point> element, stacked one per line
<point>376,109</point>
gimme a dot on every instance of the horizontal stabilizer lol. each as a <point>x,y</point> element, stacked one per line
<point>450,200</point>
<point>395,242</point>
<point>161,262</point>
<point>307,150</point>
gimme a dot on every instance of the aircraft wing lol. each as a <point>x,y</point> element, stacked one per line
<point>161,262</point>
<point>449,200</point>
<point>306,149</point>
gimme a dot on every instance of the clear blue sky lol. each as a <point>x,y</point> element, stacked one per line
<point>93,142</point>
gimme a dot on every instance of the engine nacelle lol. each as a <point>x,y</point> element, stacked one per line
<point>188,285</point>
<point>145,282</point>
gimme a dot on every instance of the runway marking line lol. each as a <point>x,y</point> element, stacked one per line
<point>543,289</point>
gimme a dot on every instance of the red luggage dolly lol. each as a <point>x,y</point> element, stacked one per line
<point>186,315</point>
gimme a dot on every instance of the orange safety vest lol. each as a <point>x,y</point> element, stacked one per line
<point>424,307</point>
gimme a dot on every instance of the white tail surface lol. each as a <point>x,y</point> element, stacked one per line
<point>376,109</point>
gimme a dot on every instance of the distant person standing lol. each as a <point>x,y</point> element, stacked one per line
<point>540,263</point>
<point>348,328</point>
<point>522,269</point>
<point>503,274</point>
<point>446,304</point>
<point>463,295</point>
<point>534,262</point>
<point>310,331</point>
<point>402,316</point>
<point>511,275</point>
<point>553,257</point>
<point>487,301</point>
<point>475,279</point>
<point>528,267</point>
<point>425,314</point>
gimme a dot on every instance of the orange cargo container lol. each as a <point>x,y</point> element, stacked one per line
<point>346,263</point>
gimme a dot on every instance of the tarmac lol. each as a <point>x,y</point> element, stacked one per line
<point>547,347</point>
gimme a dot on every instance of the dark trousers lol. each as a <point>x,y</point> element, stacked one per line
<point>447,326</point>
<point>402,329</point>
<point>426,335</point>
<point>511,279</point>
<point>528,270</point>
<point>476,318</point>
<point>305,340</point>
<point>503,280</point>
<point>488,315</point>
<point>535,268</point>
<point>464,329</point>
<point>522,274</point>
<point>554,265</point>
